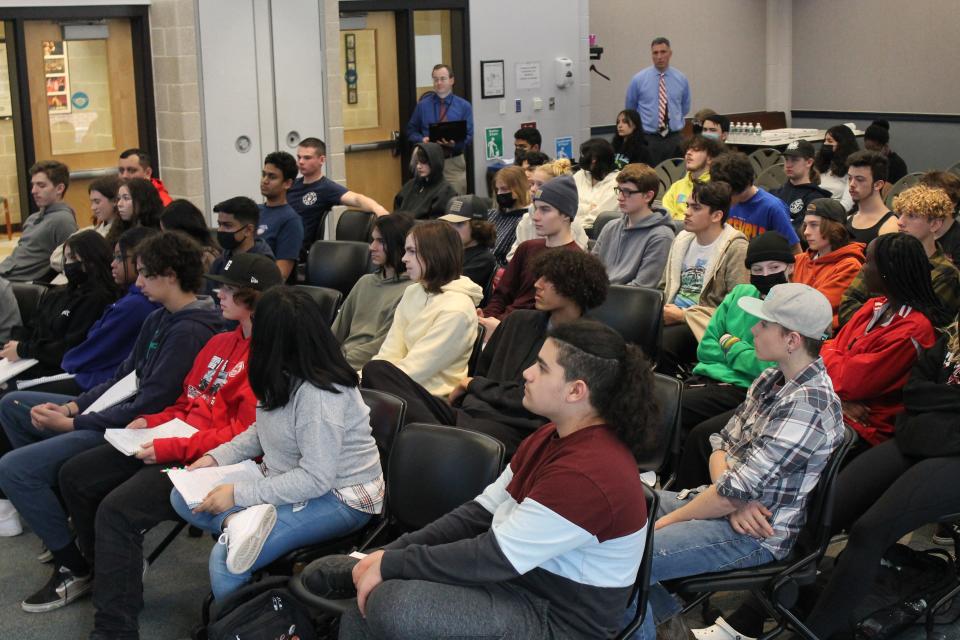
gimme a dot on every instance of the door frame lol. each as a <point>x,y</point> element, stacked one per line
<point>139,16</point>
<point>406,87</point>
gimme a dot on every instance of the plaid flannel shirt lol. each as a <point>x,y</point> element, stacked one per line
<point>777,444</point>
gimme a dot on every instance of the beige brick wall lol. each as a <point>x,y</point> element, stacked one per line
<point>175,81</point>
<point>336,165</point>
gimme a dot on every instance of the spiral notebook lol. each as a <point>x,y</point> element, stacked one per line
<point>195,485</point>
<point>129,441</point>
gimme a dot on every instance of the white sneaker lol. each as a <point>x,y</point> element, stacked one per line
<point>246,533</point>
<point>9,520</point>
<point>720,630</point>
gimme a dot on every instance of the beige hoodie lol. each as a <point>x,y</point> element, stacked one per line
<point>433,334</point>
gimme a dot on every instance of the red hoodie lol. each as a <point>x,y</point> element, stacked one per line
<point>872,368</point>
<point>161,191</point>
<point>831,274</point>
<point>216,399</point>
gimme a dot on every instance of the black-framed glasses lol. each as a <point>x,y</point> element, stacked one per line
<point>625,192</point>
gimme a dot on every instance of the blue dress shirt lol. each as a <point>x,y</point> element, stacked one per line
<point>643,94</point>
<point>427,112</point>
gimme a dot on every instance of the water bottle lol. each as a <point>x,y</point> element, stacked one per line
<point>736,130</point>
<point>759,130</point>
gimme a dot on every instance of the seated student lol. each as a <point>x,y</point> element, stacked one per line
<point>136,163</point>
<point>705,263</point>
<point>568,284</point>
<point>435,324</point>
<point>237,216</point>
<point>876,137</point>
<point>765,461</point>
<point>838,143</point>
<point>716,127</point>
<point>921,212</point>
<point>803,182</point>
<point>513,198</point>
<point>103,206</point>
<point>183,215</point>
<point>280,225</point>
<point>323,476</point>
<point>537,178</point>
<point>531,160</point>
<point>552,548</point>
<point>9,311</point>
<point>629,145</point>
<point>468,215</point>
<point>113,335</point>
<point>870,358</point>
<point>867,175</point>
<point>366,315</point>
<point>66,313</point>
<point>595,180</point>
<point>114,499</point>
<point>634,248</point>
<point>426,193</point>
<point>138,203</point>
<point>48,429</point>
<point>727,362</point>
<point>44,230</point>
<point>948,235</point>
<point>752,210</point>
<point>831,261</point>
<point>698,154</point>
<point>526,140</point>
<point>555,206</point>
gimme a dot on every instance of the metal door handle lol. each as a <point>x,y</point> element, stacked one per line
<point>93,174</point>
<point>372,146</point>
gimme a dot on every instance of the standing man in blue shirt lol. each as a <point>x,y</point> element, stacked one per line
<point>280,226</point>
<point>443,106</point>
<point>662,96</point>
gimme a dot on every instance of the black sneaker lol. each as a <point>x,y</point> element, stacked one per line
<point>942,535</point>
<point>63,588</point>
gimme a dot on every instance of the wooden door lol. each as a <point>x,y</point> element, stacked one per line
<point>82,102</point>
<point>371,115</point>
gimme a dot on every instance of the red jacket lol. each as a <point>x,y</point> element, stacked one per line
<point>216,399</point>
<point>161,191</point>
<point>872,368</point>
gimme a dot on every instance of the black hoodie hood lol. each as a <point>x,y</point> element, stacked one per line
<point>434,154</point>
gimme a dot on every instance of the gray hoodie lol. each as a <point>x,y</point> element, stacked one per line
<point>43,232</point>
<point>636,256</point>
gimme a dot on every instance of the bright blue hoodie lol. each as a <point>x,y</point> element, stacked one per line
<point>109,340</point>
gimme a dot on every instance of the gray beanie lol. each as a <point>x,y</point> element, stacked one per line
<point>561,192</point>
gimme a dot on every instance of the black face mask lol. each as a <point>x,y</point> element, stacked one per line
<point>505,200</point>
<point>826,153</point>
<point>765,283</point>
<point>228,240</point>
<point>74,273</point>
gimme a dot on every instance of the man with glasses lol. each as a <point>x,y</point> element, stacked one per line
<point>634,248</point>
<point>237,221</point>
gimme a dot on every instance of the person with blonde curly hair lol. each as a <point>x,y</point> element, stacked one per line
<point>922,211</point>
<point>538,177</point>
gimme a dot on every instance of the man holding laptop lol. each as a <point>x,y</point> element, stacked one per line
<point>442,111</point>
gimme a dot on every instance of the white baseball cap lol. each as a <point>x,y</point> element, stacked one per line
<point>795,307</point>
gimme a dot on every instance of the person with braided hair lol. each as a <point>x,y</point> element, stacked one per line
<point>870,358</point>
<point>551,549</point>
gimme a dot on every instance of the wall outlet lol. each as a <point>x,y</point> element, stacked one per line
<point>518,105</point>
<point>538,104</point>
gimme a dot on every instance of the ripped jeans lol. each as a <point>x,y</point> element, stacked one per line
<point>298,525</point>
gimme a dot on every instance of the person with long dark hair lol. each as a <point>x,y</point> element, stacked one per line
<point>629,145</point>
<point>367,314</point>
<point>569,515</point>
<point>182,215</point>
<point>103,206</point>
<point>468,215</point>
<point>138,203</point>
<point>595,181</point>
<point>831,161</point>
<point>323,477</point>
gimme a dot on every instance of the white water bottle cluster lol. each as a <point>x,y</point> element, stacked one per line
<point>744,132</point>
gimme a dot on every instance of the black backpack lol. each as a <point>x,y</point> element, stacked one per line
<point>264,610</point>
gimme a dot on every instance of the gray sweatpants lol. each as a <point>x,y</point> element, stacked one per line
<point>416,609</point>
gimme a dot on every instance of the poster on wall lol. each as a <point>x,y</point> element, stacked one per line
<point>493,139</point>
<point>563,147</point>
<point>491,77</point>
<point>6,106</point>
<point>56,76</point>
<point>528,75</point>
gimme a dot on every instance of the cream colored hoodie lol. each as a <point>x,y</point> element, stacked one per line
<point>433,334</point>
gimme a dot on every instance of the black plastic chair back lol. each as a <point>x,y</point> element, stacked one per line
<point>28,299</point>
<point>328,300</point>
<point>636,313</point>
<point>477,350</point>
<point>641,589</point>
<point>603,220</point>
<point>355,226</point>
<point>386,417</point>
<point>337,265</point>
<point>816,533</point>
<point>659,453</point>
<point>434,469</point>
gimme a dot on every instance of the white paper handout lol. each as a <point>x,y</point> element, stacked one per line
<point>195,485</point>
<point>129,441</point>
<point>124,388</point>
<point>10,369</point>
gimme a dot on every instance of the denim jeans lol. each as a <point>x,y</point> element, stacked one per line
<point>689,549</point>
<point>28,473</point>
<point>298,525</point>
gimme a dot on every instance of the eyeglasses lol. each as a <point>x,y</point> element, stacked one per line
<point>625,192</point>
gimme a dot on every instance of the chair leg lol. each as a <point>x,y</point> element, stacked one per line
<point>165,542</point>
<point>205,609</point>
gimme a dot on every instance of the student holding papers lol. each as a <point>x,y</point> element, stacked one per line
<point>323,477</point>
<point>115,498</point>
<point>66,313</point>
<point>48,429</point>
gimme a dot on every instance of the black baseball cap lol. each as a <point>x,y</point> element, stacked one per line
<point>828,208</point>
<point>249,270</point>
<point>800,149</point>
<point>465,208</point>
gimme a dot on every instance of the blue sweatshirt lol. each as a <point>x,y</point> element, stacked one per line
<point>162,357</point>
<point>109,340</point>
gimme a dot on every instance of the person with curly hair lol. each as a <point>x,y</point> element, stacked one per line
<point>553,546</point>
<point>568,284</point>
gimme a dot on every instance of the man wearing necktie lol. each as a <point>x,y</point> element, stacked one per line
<point>662,96</point>
<point>442,106</point>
